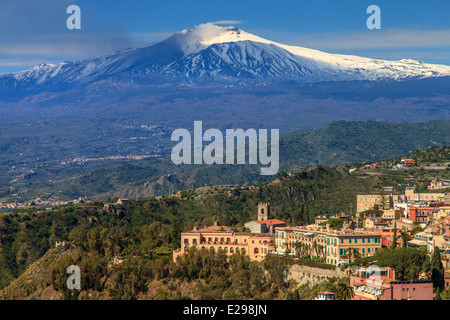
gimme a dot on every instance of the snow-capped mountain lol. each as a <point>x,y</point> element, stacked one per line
<point>211,53</point>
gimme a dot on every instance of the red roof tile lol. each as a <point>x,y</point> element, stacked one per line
<point>274,221</point>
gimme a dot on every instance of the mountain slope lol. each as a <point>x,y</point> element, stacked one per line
<point>338,143</point>
<point>211,53</point>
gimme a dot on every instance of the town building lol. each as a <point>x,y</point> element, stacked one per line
<point>325,295</point>
<point>256,244</point>
<point>408,162</point>
<point>409,290</point>
<point>371,289</point>
<point>371,201</point>
<point>264,224</point>
<point>335,247</point>
<point>320,219</point>
<point>439,184</point>
<point>422,214</point>
<point>222,238</point>
<point>123,201</point>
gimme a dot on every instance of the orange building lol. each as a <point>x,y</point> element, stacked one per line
<point>255,245</point>
<point>410,163</point>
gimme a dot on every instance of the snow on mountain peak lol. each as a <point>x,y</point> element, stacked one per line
<point>227,54</point>
<point>206,34</point>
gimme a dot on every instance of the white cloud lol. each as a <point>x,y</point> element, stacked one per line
<point>227,22</point>
<point>380,39</point>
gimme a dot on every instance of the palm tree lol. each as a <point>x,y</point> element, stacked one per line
<point>349,253</point>
<point>314,248</point>
<point>344,291</point>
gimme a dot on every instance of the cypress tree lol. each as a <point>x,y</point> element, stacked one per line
<point>394,236</point>
<point>437,269</point>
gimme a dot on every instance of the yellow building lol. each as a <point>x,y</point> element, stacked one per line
<point>368,201</point>
<point>443,212</point>
<point>392,214</point>
<point>412,196</point>
<point>335,247</point>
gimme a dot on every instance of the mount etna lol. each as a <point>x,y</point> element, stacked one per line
<point>129,102</point>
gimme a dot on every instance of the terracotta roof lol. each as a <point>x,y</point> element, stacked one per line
<point>215,228</point>
<point>274,221</point>
<point>211,229</point>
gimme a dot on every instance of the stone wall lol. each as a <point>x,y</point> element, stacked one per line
<point>305,274</point>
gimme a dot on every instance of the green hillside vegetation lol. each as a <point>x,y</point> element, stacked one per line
<point>26,236</point>
<point>144,233</point>
<point>433,154</point>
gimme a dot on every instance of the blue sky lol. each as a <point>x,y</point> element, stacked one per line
<point>32,32</point>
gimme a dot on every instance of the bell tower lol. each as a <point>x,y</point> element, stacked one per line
<point>263,211</point>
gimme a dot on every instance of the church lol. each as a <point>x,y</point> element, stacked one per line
<point>264,224</point>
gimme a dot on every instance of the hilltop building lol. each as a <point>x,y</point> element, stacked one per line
<point>222,238</point>
<point>335,247</point>
<point>256,244</point>
<point>264,224</point>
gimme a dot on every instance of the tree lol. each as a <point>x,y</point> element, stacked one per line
<point>407,262</point>
<point>344,291</point>
<point>405,238</point>
<point>438,294</point>
<point>437,270</point>
<point>394,236</point>
<point>277,270</point>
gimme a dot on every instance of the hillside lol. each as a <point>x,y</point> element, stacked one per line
<point>338,143</point>
<point>151,228</point>
<point>432,154</point>
<point>144,233</point>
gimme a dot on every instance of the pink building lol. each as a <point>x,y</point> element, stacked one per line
<point>409,290</point>
<point>421,214</point>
